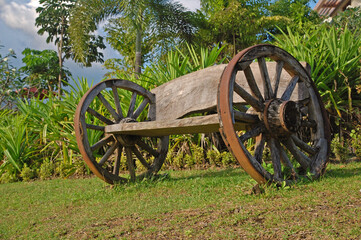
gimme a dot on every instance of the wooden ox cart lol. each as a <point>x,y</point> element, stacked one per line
<point>275,103</point>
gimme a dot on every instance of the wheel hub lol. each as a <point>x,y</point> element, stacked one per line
<point>127,140</point>
<point>282,118</point>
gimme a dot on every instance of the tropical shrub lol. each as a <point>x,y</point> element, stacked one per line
<point>334,56</point>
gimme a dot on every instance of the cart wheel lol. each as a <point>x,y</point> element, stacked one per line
<point>111,102</point>
<point>291,134</point>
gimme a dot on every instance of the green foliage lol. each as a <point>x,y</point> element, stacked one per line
<point>238,24</point>
<point>297,15</point>
<point>26,173</point>
<point>178,63</point>
<point>214,157</point>
<point>228,159</point>
<point>42,130</point>
<point>46,170</point>
<point>42,68</point>
<point>340,148</point>
<point>10,80</point>
<point>16,144</point>
<point>8,177</point>
<point>53,19</point>
<point>350,19</point>
<point>356,141</point>
<point>334,57</point>
<point>141,27</point>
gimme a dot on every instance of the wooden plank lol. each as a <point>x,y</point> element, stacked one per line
<point>191,93</point>
<point>199,124</point>
<point>197,91</point>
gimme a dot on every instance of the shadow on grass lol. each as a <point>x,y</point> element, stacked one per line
<point>342,172</point>
<point>199,174</point>
<point>212,173</point>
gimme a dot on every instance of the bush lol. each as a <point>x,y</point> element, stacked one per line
<point>8,177</point>
<point>27,173</point>
<point>339,148</point>
<point>356,141</point>
<point>46,169</point>
<point>214,157</point>
<point>228,159</point>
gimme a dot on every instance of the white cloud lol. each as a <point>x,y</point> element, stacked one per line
<point>20,16</point>
<point>191,4</point>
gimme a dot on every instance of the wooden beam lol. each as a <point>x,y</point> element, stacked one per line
<point>199,124</point>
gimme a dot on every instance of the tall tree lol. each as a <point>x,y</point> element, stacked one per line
<point>236,23</point>
<point>298,14</point>
<point>53,19</point>
<point>42,69</point>
<point>135,18</point>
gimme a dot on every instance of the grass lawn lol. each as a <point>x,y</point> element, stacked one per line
<point>192,204</point>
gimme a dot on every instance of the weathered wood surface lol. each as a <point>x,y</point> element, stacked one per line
<point>199,124</point>
<point>197,92</point>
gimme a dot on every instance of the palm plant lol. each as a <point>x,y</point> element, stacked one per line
<point>16,144</point>
<point>180,62</point>
<point>166,17</point>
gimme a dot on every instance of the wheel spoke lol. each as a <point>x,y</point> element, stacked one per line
<point>243,65</point>
<point>108,153</point>
<point>130,161</point>
<point>277,77</point>
<point>300,157</point>
<point>275,155</point>
<point>101,143</point>
<point>99,116</point>
<point>252,84</point>
<point>268,93</point>
<point>132,105</point>
<point>290,88</point>
<point>304,146</point>
<point>252,133</point>
<point>259,147</point>
<point>95,127</point>
<point>117,161</point>
<point>140,108</point>
<point>245,117</point>
<point>240,107</point>
<point>257,105</point>
<point>147,148</point>
<point>117,101</point>
<point>107,105</point>
<point>140,157</point>
<point>285,160</point>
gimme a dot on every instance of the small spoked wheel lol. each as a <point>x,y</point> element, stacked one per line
<point>110,155</point>
<point>275,126</point>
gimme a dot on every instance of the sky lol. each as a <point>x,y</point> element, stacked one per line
<point>18,31</point>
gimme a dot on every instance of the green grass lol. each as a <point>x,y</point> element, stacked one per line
<point>194,204</point>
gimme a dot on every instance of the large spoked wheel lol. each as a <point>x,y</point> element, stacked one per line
<point>118,101</point>
<point>288,132</point>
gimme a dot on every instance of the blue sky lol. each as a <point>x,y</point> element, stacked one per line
<point>18,31</point>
